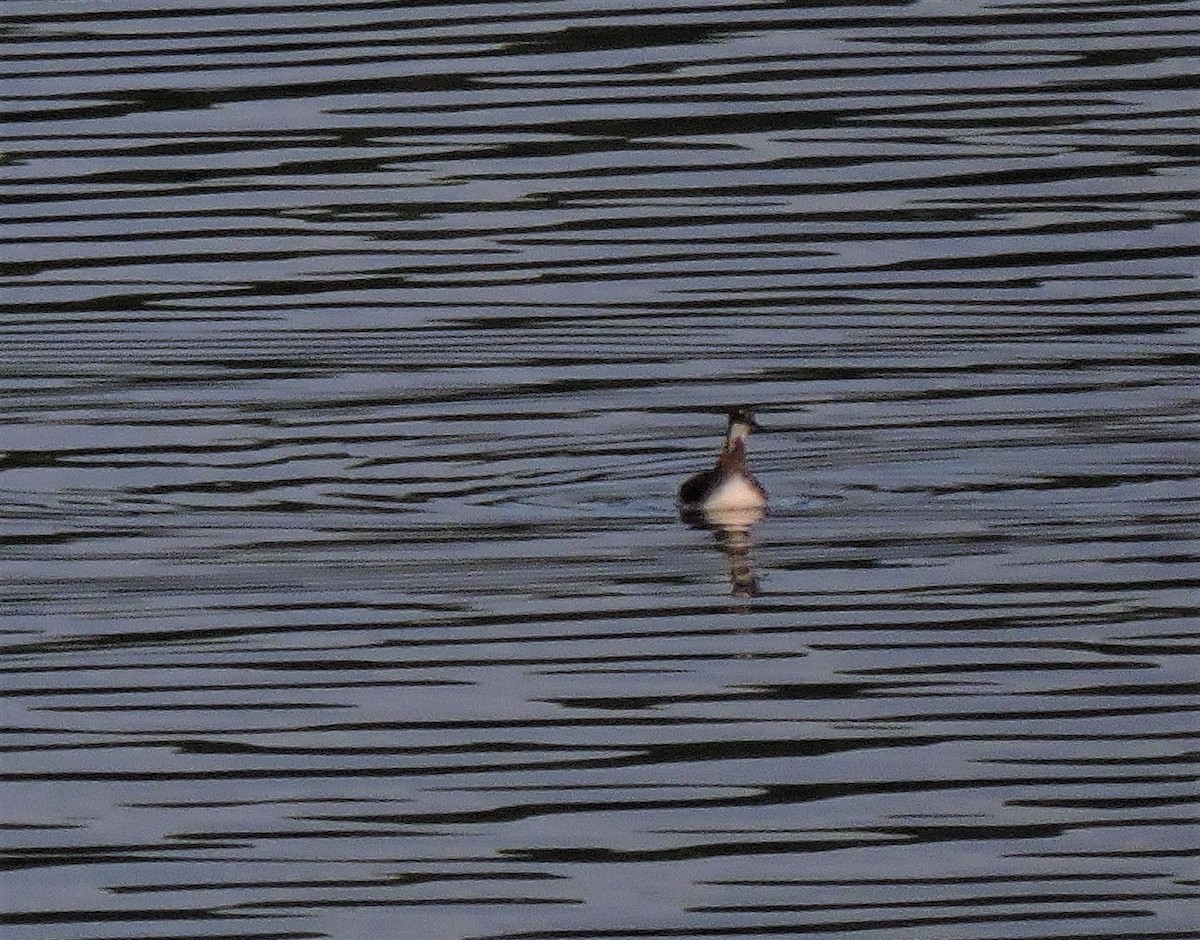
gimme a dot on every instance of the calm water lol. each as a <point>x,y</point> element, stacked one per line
<point>353,352</point>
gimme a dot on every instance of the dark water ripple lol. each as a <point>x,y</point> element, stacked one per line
<point>353,352</point>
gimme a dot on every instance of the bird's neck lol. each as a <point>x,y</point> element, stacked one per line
<point>733,454</point>
<point>736,435</point>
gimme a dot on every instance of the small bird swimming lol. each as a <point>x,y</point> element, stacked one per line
<point>730,484</point>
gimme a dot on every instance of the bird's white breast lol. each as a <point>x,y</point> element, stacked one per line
<point>735,492</point>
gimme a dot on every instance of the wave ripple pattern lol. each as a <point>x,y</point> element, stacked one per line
<point>352,354</point>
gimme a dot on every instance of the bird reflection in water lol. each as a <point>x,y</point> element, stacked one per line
<point>731,529</point>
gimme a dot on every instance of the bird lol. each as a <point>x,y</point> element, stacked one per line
<point>729,485</point>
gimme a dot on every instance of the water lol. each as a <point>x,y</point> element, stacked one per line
<point>353,353</point>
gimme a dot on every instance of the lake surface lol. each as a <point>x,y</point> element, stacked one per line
<point>353,353</point>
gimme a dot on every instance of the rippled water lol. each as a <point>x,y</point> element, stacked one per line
<point>353,353</point>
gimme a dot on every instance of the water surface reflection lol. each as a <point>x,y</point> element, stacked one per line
<point>731,530</point>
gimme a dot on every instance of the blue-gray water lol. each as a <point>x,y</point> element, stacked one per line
<point>352,353</point>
